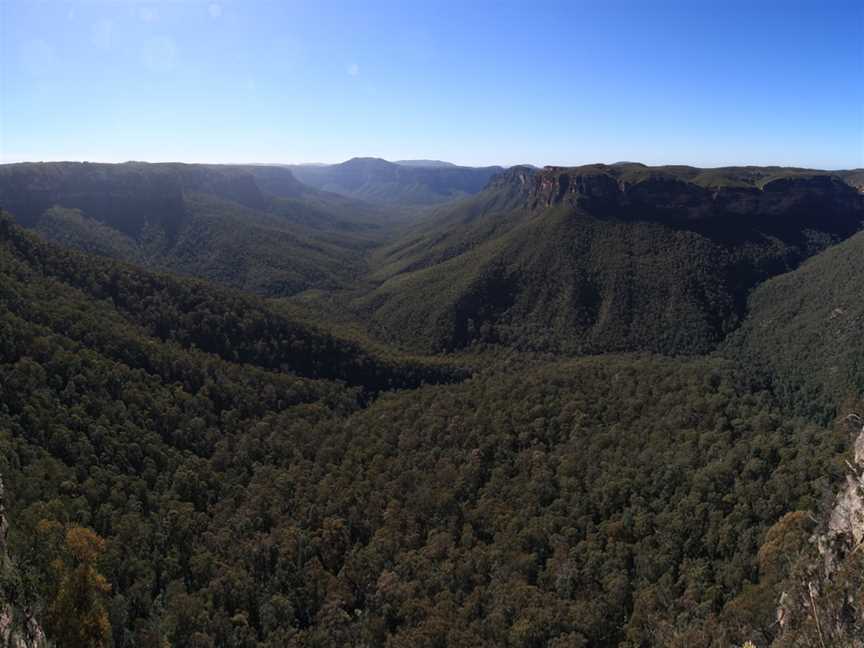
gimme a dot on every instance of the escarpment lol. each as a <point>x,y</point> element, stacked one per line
<point>606,258</point>
<point>694,196</point>
<point>127,196</point>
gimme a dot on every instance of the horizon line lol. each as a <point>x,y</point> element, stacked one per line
<point>58,160</point>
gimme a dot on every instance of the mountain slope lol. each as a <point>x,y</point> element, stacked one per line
<point>604,258</point>
<point>244,506</point>
<point>189,313</point>
<point>805,328</point>
<point>255,228</point>
<point>379,181</point>
<point>259,483</point>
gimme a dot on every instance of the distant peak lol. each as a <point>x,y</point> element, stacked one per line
<point>366,160</point>
<point>425,163</point>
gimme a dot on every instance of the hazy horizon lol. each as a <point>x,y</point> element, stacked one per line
<point>765,83</point>
<point>413,159</point>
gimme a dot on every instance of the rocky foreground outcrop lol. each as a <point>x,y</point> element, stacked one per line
<point>823,603</point>
<point>18,627</point>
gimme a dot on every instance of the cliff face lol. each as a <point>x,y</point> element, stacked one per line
<point>633,192</point>
<point>846,523</point>
<point>607,258</point>
<point>124,196</point>
<point>277,181</point>
<point>18,627</point>
<point>230,183</point>
<point>823,603</point>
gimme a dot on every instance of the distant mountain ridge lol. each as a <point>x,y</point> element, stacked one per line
<point>252,227</point>
<point>266,474</point>
<point>425,163</point>
<point>597,258</point>
<point>695,197</point>
<point>604,258</point>
<point>412,183</point>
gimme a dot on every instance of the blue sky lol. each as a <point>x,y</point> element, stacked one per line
<point>698,82</point>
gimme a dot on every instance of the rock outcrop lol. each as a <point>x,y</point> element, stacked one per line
<point>18,627</point>
<point>688,196</point>
<point>845,531</point>
<point>823,604</point>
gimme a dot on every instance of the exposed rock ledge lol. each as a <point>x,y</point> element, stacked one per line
<point>825,604</point>
<point>18,628</point>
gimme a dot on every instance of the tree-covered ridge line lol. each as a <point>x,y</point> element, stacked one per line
<point>804,329</point>
<point>395,183</point>
<point>235,327</point>
<point>255,228</point>
<point>600,259</point>
<point>259,480</point>
<point>631,173</point>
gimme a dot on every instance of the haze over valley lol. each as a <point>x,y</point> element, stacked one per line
<point>492,388</point>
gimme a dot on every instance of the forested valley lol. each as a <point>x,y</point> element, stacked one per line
<point>594,406</point>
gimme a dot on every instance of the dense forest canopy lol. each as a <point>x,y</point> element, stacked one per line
<point>598,406</point>
<point>604,258</point>
<point>255,228</point>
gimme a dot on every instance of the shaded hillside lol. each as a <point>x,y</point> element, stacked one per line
<point>805,328</point>
<point>194,315</point>
<point>379,181</point>
<point>258,482</point>
<point>255,228</point>
<point>604,258</point>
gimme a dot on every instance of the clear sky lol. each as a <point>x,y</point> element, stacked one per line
<point>659,81</point>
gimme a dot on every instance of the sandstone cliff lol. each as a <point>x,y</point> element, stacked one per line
<point>823,603</point>
<point>687,196</point>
